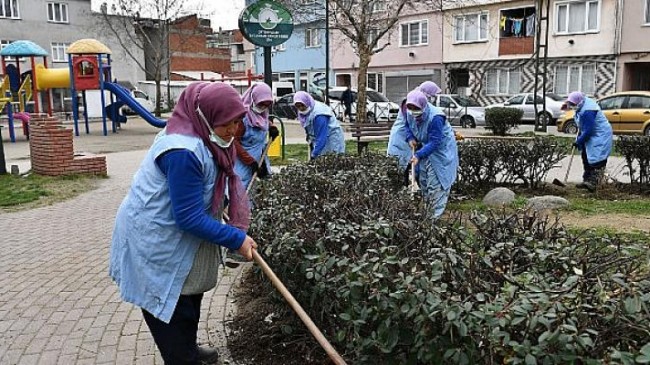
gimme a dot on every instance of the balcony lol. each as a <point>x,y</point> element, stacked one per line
<point>516,45</point>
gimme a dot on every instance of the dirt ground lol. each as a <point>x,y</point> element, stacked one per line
<point>256,336</point>
<point>618,222</point>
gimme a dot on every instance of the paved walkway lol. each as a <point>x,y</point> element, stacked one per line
<point>57,303</point>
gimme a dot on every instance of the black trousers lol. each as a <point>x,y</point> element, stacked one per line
<point>176,340</point>
<point>592,171</point>
<point>348,110</point>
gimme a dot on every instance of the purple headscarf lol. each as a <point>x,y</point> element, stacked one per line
<point>220,104</point>
<point>254,95</point>
<point>576,97</point>
<point>430,89</point>
<point>308,100</point>
<point>417,98</point>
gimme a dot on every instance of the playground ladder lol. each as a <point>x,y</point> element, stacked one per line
<point>25,92</point>
<point>4,87</point>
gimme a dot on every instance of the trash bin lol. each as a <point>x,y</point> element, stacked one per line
<point>275,150</point>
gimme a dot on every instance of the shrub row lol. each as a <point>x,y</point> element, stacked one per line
<point>485,164</point>
<point>636,151</point>
<point>387,286</point>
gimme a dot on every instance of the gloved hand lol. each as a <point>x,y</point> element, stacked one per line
<point>577,146</point>
<point>262,172</point>
<point>254,166</point>
<point>273,132</point>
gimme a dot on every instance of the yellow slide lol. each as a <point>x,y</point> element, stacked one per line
<point>52,78</point>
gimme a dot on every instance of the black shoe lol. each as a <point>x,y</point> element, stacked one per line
<point>207,355</point>
<point>591,187</point>
<point>582,186</point>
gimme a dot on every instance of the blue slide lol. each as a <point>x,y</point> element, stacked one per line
<point>124,97</point>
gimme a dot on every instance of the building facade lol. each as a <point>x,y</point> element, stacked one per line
<point>634,60</point>
<point>412,55</point>
<point>240,49</point>
<point>489,49</point>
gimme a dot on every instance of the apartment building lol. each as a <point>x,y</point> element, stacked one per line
<point>240,49</point>
<point>634,60</point>
<point>412,54</point>
<point>489,49</point>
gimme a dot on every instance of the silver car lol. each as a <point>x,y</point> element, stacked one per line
<point>461,110</point>
<point>526,103</point>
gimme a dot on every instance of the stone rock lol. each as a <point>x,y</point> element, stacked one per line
<point>499,197</point>
<point>546,202</point>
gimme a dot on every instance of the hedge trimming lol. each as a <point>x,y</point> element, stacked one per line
<point>387,286</point>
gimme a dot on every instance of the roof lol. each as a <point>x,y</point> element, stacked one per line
<point>23,49</point>
<point>200,75</point>
<point>88,46</point>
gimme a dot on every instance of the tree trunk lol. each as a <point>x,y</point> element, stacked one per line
<point>362,80</point>
<point>157,79</point>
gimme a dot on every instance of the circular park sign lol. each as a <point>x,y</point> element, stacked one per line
<point>266,23</point>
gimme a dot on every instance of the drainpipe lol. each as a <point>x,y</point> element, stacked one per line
<point>618,39</point>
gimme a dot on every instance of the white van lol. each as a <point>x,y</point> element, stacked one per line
<point>282,88</point>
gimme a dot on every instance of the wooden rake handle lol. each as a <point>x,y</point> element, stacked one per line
<point>318,335</point>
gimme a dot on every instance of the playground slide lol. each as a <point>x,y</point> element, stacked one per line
<point>125,96</point>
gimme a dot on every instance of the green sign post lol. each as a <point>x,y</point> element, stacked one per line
<point>266,23</point>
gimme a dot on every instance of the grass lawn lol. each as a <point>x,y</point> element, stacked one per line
<point>32,191</point>
<point>298,152</point>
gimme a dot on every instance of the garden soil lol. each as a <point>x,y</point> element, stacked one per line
<point>253,340</point>
<point>618,222</point>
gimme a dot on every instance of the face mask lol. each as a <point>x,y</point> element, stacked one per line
<point>259,110</point>
<point>303,112</point>
<point>416,113</point>
<point>214,138</point>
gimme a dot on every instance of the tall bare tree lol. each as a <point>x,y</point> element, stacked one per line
<point>366,25</point>
<point>146,25</point>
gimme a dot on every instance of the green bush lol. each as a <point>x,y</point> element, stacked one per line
<point>501,120</point>
<point>636,151</point>
<point>387,286</point>
<point>485,164</point>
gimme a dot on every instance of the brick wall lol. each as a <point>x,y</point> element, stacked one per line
<point>189,51</point>
<point>52,152</point>
<point>516,45</point>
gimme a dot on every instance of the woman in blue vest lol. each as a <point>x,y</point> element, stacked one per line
<point>251,135</point>
<point>168,231</point>
<point>397,144</point>
<point>324,132</point>
<point>594,140</point>
<point>437,159</point>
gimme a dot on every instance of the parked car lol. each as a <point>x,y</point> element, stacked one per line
<point>527,105</point>
<point>379,108</point>
<point>283,107</point>
<point>461,110</point>
<point>628,112</point>
<point>142,98</point>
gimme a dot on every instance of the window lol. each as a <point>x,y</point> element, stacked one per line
<point>647,12</point>
<point>502,81</point>
<point>307,2</point>
<point>445,102</point>
<point>311,38</point>
<point>279,48</point>
<point>58,52</point>
<point>372,35</point>
<point>9,9</point>
<point>378,6</point>
<point>471,27</point>
<point>615,102</point>
<point>414,33</point>
<point>519,22</point>
<point>575,78</point>
<point>57,12</point>
<point>638,102</point>
<point>4,43</point>
<point>577,17</point>
<point>376,81</point>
